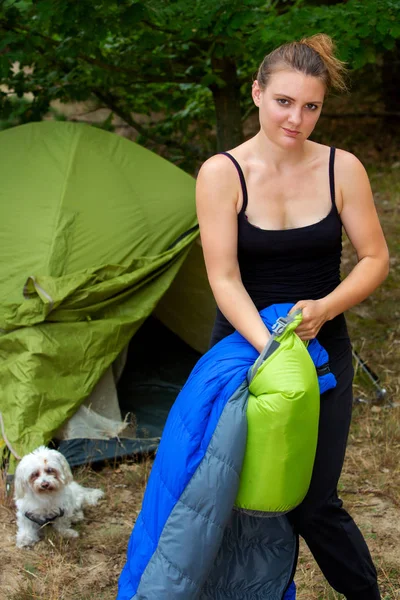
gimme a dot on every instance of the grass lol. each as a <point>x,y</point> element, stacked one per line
<point>87,567</point>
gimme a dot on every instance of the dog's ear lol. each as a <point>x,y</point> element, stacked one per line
<point>65,470</point>
<point>20,484</point>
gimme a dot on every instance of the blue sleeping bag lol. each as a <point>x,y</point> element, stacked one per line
<point>188,541</point>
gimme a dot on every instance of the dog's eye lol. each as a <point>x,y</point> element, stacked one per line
<point>50,471</point>
<point>35,475</point>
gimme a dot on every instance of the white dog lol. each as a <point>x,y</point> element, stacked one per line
<point>45,493</point>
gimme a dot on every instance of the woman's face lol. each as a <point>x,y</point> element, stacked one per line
<point>289,106</point>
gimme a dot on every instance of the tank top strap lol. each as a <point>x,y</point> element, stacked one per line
<point>332,176</point>
<point>244,187</point>
<point>242,180</point>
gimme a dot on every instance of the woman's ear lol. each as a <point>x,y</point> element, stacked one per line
<point>256,93</point>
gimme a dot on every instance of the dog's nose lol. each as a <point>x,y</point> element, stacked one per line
<point>45,485</point>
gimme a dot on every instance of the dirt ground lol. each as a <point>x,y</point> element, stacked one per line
<point>83,568</point>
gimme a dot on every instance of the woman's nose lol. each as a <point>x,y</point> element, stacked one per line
<point>295,116</point>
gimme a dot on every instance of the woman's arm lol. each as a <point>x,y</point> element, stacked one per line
<point>217,200</point>
<point>364,231</point>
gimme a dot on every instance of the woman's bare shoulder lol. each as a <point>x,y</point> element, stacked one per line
<point>218,180</point>
<point>350,172</point>
<point>218,185</point>
<point>348,161</point>
<point>352,180</point>
<point>216,166</point>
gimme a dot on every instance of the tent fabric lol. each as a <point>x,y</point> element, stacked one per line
<point>94,228</point>
<point>187,542</point>
<point>146,390</point>
<point>81,451</point>
<point>188,306</point>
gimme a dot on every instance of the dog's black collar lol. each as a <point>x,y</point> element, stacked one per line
<point>42,521</point>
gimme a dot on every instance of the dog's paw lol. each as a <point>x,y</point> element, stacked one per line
<point>26,541</point>
<point>68,533</point>
<point>77,517</point>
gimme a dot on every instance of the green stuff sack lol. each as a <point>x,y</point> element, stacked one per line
<point>282,416</point>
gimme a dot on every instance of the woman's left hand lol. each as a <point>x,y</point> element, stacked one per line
<point>315,314</point>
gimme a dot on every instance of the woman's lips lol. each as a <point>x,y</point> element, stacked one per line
<point>290,132</point>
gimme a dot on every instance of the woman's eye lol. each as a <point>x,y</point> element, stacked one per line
<point>312,106</point>
<point>282,101</point>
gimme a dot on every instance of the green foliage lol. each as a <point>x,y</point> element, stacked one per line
<point>164,58</point>
<point>362,29</point>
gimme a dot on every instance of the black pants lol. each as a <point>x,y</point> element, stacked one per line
<point>331,534</point>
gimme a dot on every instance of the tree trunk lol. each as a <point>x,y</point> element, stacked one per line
<point>227,105</point>
<point>391,83</point>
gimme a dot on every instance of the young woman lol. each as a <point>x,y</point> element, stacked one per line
<point>271,213</point>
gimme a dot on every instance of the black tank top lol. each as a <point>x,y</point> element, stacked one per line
<point>288,265</point>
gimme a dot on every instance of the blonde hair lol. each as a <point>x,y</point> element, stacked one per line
<point>313,56</point>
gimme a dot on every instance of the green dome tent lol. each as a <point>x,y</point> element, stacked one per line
<point>97,233</point>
